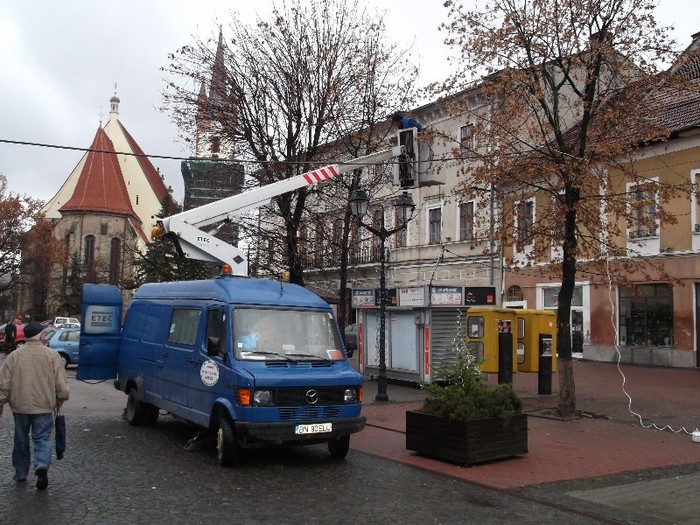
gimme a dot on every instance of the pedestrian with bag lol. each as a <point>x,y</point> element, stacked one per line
<point>10,335</point>
<point>33,382</point>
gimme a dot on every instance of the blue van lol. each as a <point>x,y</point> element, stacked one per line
<point>255,361</point>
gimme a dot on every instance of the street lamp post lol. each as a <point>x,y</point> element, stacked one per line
<point>404,205</point>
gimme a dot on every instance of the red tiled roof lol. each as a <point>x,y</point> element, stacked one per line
<point>680,109</point>
<point>101,186</point>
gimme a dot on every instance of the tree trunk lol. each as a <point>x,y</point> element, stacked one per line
<point>567,388</point>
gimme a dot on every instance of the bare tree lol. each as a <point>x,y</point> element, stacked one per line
<point>308,87</point>
<point>571,88</point>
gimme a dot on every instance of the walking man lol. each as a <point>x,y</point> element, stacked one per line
<point>33,381</point>
<point>10,334</point>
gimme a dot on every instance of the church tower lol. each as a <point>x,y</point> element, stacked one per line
<point>104,210</point>
<point>213,174</point>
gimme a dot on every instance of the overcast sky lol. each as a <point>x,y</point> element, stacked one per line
<point>60,61</point>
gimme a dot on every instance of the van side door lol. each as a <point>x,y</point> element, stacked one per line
<point>179,355</point>
<point>101,332</point>
<point>214,364</point>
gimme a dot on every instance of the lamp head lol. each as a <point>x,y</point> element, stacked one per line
<point>404,207</point>
<point>359,202</point>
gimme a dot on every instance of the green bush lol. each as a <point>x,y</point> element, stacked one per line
<point>462,395</point>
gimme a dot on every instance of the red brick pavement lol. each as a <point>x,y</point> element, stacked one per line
<point>608,439</point>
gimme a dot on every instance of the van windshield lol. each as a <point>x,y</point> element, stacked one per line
<point>289,335</point>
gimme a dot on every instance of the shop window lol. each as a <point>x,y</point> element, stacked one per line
<point>551,297</point>
<point>646,315</point>
<point>551,302</point>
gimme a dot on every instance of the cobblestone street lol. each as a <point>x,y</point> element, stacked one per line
<point>114,473</point>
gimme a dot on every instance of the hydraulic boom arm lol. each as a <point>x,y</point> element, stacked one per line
<point>195,243</point>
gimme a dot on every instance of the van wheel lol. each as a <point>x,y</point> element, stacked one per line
<point>339,447</point>
<point>139,413</point>
<point>227,449</point>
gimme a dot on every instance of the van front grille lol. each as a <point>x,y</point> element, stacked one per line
<point>306,413</point>
<point>300,396</point>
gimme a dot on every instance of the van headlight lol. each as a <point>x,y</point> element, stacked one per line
<point>262,397</point>
<point>350,395</point>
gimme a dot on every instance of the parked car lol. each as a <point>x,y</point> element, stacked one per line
<point>60,321</point>
<point>48,333</point>
<point>351,338</point>
<point>68,325</point>
<point>66,342</point>
<point>19,336</point>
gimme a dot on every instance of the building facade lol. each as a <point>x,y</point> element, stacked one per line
<point>449,251</point>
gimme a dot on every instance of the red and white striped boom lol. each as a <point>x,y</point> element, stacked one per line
<point>198,244</point>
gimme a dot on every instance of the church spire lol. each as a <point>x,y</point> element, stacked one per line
<point>217,88</point>
<point>114,104</point>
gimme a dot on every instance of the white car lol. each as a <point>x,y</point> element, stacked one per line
<point>63,321</point>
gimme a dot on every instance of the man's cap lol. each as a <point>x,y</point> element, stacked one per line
<point>33,328</point>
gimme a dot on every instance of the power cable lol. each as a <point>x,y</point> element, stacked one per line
<point>211,159</point>
<point>639,417</point>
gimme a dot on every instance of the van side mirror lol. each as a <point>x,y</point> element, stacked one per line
<point>349,352</point>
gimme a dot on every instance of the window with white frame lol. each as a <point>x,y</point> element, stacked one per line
<point>377,224</point>
<point>466,221</point>
<point>695,214</point>
<point>467,137</point>
<point>337,240</point>
<point>642,203</point>
<point>400,236</point>
<point>525,220</point>
<point>435,226</point>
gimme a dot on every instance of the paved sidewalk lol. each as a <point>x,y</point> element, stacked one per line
<point>615,454</point>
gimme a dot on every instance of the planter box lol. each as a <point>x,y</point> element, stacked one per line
<point>468,442</point>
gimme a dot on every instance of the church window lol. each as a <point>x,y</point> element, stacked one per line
<point>115,258</point>
<point>89,257</point>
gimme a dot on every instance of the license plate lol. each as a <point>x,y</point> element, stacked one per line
<point>315,428</point>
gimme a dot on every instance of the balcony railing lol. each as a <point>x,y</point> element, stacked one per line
<point>331,259</point>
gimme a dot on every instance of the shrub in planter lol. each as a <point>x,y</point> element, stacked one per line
<point>462,395</point>
<point>463,420</point>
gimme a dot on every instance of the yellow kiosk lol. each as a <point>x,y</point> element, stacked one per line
<point>537,345</point>
<point>491,338</point>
